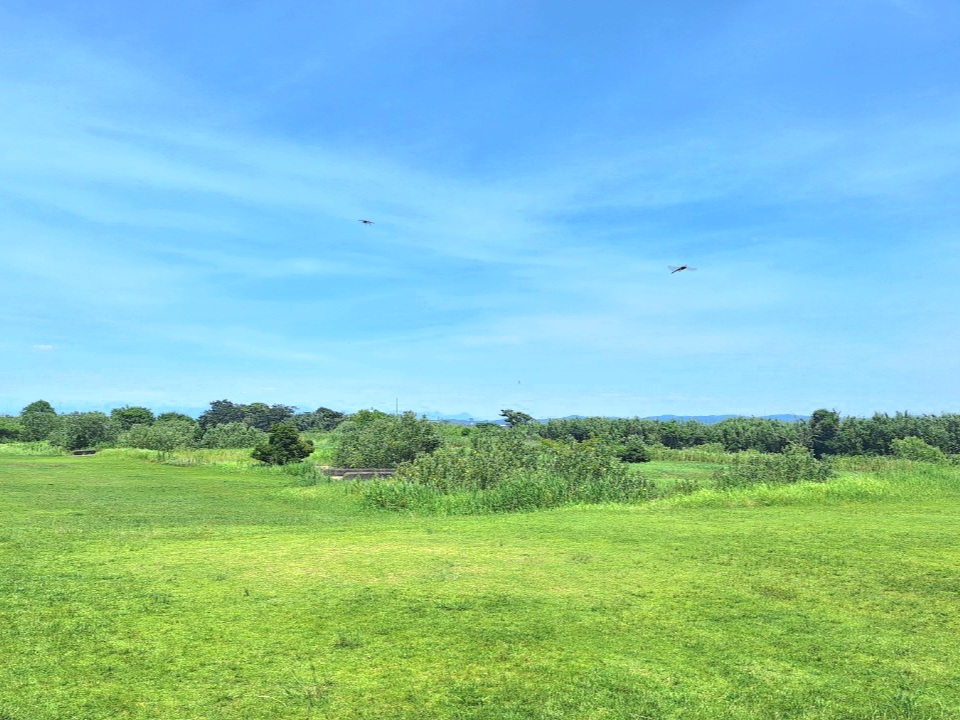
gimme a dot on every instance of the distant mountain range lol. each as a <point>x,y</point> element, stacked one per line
<point>467,419</point>
<point>712,419</point>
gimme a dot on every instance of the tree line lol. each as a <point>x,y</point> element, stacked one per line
<point>825,433</point>
<point>229,424</point>
<point>224,424</point>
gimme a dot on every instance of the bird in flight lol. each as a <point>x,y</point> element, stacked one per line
<point>675,269</point>
<point>367,222</point>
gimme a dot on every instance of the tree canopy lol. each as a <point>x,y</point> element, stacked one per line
<point>84,430</point>
<point>515,417</point>
<point>127,417</point>
<point>258,415</point>
<point>39,406</point>
<point>371,438</point>
<point>283,446</point>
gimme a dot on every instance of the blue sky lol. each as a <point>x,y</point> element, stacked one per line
<point>181,184</point>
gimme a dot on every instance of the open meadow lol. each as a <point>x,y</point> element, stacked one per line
<point>133,589</point>
<point>425,360</point>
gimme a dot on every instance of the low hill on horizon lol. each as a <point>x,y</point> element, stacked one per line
<point>466,419</point>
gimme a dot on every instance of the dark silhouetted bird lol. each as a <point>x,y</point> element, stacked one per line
<point>367,222</point>
<point>675,269</point>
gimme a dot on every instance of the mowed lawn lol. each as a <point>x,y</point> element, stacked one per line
<point>131,589</point>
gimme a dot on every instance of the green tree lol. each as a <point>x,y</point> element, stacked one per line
<point>167,416</point>
<point>824,427</point>
<point>38,424</point>
<point>232,435</point>
<point>283,446</point>
<point>263,416</point>
<point>161,436</point>
<point>126,417</point>
<point>879,431</point>
<point>328,419</point>
<point>852,438</point>
<point>914,448</point>
<point>515,417</point>
<point>10,429</point>
<point>563,428</point>
<point>39,406</point>
<point>221,412</point>
<point>84,430</point>
<point>634,450</point>
<point>374,439</point>
<point>362,417</point>
<point>320,420</point>
<point>951,428</point>
<point>753,433</point>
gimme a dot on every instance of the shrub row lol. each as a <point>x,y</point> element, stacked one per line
<point>796,464</point>
<point>502,472</point>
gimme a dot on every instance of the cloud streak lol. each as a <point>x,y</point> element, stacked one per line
<point>183,236</point>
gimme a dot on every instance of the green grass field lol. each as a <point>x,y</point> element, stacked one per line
<point>133,589</point>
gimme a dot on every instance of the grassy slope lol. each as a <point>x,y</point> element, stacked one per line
<point>136,590</point>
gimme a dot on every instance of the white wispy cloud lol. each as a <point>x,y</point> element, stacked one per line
<point>164,220</point>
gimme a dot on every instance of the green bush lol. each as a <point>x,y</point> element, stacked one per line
<point>913,448</point>
<point>41,448</point>
<point>126,417</point>
<point>581,464</point>
<point>78,430</point>
<point>283,446</point>
<point>307,473</point>
<point>167,416</point>
<point>795,464</point>
<point>10,429</point>
<point>706,453</point>
<point>232,435</point>
<point>546,489</point>
<point>401,495</point>
<point>864,463</point>
<point>374,439</point>
<point>38,426</point>
<point>491,456</point>
<point>503,471</point>
<point>320,420</point>
<point>634,450</point>
<point>160,436</point>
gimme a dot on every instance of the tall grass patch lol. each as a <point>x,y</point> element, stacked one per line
<point>40,448</point>
<point>504,471</point>
<point>374,439</point>
<point>324,444</point>
<point>708,453</point>
<point>189,457</point>
<point>796,464</point>
<point>306,473</point>
<point>896,481</point>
